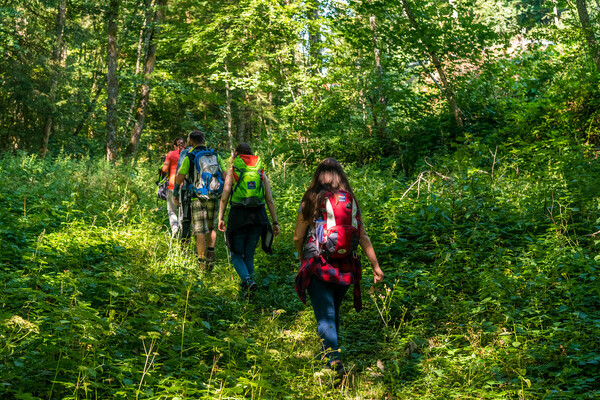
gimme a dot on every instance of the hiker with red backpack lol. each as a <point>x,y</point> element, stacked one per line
<point>329,229</point>
<point>249,188</point>
<point>202,167</point>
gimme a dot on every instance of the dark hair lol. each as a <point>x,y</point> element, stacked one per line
<point>329,176</point>
<point>243,148</point>
<point>179,139</point>
<point>196,137</point>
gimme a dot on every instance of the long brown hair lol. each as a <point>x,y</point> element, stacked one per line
<point>329,176</point>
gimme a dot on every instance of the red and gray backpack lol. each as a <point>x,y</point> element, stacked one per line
<point>336,231</point>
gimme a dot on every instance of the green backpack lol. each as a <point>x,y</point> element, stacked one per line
<point>248,190</point>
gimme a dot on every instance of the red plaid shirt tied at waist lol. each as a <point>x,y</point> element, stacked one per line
<point>341,271</point>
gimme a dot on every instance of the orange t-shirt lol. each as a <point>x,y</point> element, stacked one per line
<point>171,161</point>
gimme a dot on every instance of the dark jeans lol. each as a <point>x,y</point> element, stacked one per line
<point>185,220</point>
<point>244,242</point>
<point>326,299</point>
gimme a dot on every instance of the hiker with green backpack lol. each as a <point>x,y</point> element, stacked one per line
<point>202,167</point>
<point>248,186</point>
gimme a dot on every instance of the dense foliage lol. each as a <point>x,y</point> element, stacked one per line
<point>300,79</point>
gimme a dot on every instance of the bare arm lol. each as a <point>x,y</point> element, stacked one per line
<point>166,165</point>
<point>271,204</point>
<point>224,199</point>
<point>300,234</point>
<point>179,178</point>
<point>367,246</point>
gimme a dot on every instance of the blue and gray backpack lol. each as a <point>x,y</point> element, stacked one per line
<point>207,181</point>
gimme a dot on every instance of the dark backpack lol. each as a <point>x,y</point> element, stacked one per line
<point>184,193</point>
<point>163,185</point>
<point>336,231</point>
<point>207,181</point>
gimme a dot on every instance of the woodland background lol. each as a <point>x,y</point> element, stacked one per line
<point>469,130</point>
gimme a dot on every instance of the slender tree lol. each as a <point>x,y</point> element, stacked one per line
<point>588,32</point>
<point>143,42</point>
<point>555,13</point>
<point>112,82</point>
<point>149,65</point>
<point>447,88</point>
<point>242,119</point>
<point>380,103</point>
<point>228,111</point>
<point>57,57</point>
<point>314,36</point>
<point>97,90</point>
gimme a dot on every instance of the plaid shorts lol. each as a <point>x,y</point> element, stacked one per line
<point>205,215</point>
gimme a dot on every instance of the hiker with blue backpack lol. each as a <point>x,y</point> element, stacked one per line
<point>328,231</point>
<point>249,189</point>
<point>202,167</point>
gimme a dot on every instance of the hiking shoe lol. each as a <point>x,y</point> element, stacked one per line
<point>251,285</point>
<point>210,256</point>
<point>334,374</point>
<point>210,260</point>
<point>337,367</point>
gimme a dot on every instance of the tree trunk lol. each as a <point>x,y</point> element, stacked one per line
<point>380,105</point>
<point>448,92</point>
<point>112,82</point>
<point>314,37</point>
<point>143,42</point>
<point>138,127</point>
<point>97,86</point>
<point>228,111</point>
<point>362,98</point>
<point>56,63</point>
<point>241,128</point>
<point>588,32</point>
<point>97,89</point>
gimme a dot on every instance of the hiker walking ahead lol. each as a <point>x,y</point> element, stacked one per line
<point>328,231</point>
<point>249,188</point>
<point>185,202</point>
<point>170,167</point>
<point>203,169</point>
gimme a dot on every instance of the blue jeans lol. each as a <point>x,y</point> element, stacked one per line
<point>326,299</point>
<point>244,241</point>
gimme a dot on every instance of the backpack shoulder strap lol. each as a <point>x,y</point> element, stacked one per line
<point>238,173</point>
<point>198,153</point>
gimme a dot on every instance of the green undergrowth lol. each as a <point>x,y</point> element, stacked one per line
<point>490,292</point>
